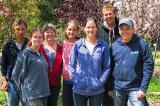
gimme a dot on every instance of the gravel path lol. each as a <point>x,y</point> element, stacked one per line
<point>153,102</point>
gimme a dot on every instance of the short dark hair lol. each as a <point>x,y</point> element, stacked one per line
<point>20,22</point>
<point>92,19</point>
<point>49,26</point>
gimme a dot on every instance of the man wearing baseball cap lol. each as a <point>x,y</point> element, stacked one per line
<point>132,66</point>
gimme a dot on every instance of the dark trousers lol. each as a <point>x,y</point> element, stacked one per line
<point>107,100</point>
<point>67,95</point>
<point>53,98</point>
<point>37,102</point>
<point>81,100</point>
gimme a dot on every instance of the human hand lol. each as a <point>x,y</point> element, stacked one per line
<point>110,93</point>
<point>140,94</point>
<point>4,83</point>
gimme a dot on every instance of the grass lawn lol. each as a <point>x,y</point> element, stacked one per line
<point>154,85</point>
<point>155,81</point>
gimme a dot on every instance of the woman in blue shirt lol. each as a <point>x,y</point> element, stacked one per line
<point>90,67</point>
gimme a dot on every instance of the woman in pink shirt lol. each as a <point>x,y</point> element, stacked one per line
<point>71,32</point>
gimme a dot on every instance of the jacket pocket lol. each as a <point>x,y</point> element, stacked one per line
<point>94,84</point>
<point>130,74</point>
<point>80,81</point>
<point>124,74</point>
<point>116,73</point>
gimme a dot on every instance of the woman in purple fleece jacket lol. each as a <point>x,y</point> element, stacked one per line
<point>90,67</point>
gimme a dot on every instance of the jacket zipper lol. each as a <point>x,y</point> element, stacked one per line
<point>124,54</point>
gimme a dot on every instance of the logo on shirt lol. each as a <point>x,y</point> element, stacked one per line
<point>134,52</point>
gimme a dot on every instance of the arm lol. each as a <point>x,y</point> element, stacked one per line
<point>19,70</point>
<point>73,62</point>
<point>4,64</point>
<point>106,65</point>
<point>148,67</point>
<point>110,81</point>
<point>5,61</point>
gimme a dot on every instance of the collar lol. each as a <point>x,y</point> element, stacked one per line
<point>106,29</point>
<point>135,37</point>
<point>68,42</point>
<point>99,42</point>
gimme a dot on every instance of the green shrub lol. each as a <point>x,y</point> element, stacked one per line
<point>3,98</point>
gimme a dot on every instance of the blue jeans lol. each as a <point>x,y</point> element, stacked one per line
<point>121,98</point>
<point>13,95</point>
<point>81,100</point>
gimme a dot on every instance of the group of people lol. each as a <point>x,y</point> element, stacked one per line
<point>111,66</point>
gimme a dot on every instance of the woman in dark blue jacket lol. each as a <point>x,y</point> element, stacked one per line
<point>30,72</point>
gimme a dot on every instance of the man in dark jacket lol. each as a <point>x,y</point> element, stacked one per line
<point>132,66</point>
<point>108,31</point>
<point>108,26</point>
<point>9,55</point>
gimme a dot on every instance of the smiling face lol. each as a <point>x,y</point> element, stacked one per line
<point>91,29</point>
<point>37,39</point>
<point>49,35</point>
<point>126,32</point>
<point>109,15</point>
<point>71,31</point>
